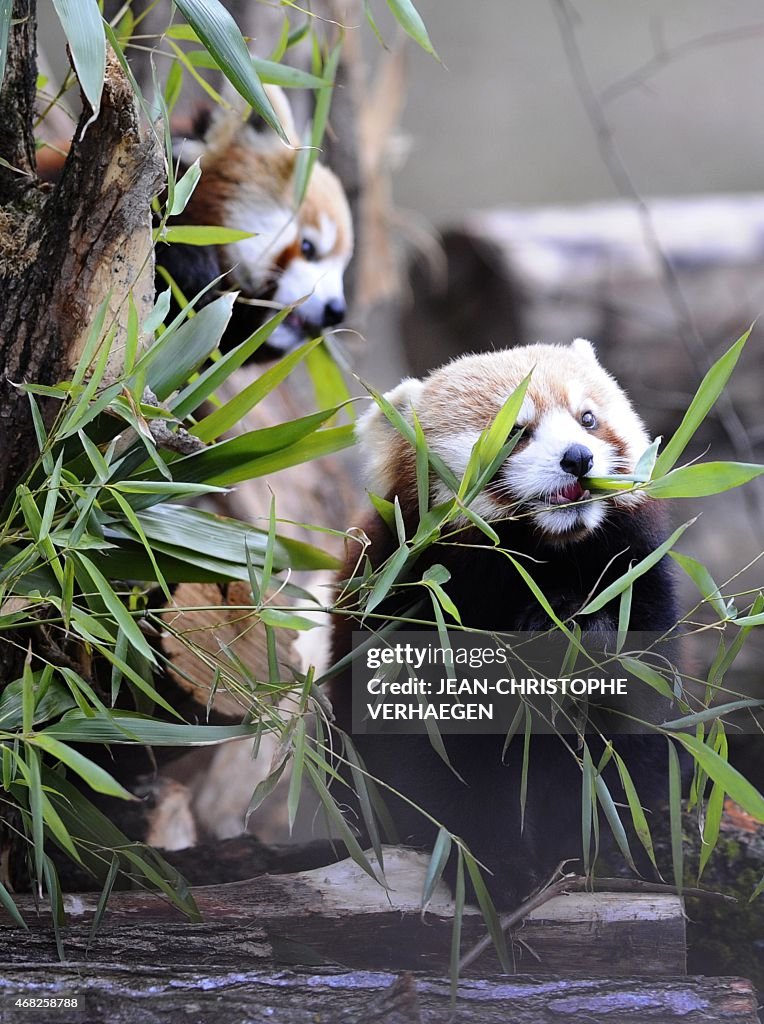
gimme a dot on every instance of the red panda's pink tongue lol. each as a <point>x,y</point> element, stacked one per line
<point>573,492</point>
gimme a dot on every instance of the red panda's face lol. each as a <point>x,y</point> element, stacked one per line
<point>577,423</point>
<point>296,255</point>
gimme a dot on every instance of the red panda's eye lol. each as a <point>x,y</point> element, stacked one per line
<point>588,420</point>
<point>308,249</point>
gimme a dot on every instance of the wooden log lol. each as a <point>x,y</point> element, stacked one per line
<point>155,995</point>
<point>336,914</point>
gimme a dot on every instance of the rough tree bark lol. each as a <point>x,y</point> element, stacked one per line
<point>63,250</point>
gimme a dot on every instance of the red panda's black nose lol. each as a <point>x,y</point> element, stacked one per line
<point>577,460</point>
<point>334,313</point>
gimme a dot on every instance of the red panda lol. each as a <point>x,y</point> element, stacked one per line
<point>578,422</point>
<point>297,253</point>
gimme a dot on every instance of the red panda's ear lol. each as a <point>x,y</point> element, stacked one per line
<point>584,348</point>
<point>376,433</point>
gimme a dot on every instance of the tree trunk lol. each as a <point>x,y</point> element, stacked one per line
<point>62,251</point>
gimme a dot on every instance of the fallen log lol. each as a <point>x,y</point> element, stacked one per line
<point>337,915</point>
<point>155,995</point>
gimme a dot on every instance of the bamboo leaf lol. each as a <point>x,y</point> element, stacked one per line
<point>233,411</point>
<point>410,20</point>
<point>76,727</point>
<point>83,27</point>
<point>703,479</point>
<point>704,581</point>
<point>93,774</point>
<point>647,563</point>
<point>675,813</point>
<point>719,770</point>
<point>184,349</point>
<point>202,234</point>
<point>705,398</point>
<point>638,817</point>
<point>307,156</point>
<point>6,9</point>
<point>116,607</point>
<point>387,578</point>
<point>438,859</point>
<point>648,675</point>
<point>184,188</point>
<point>222,38</point>
<point>210,379</point>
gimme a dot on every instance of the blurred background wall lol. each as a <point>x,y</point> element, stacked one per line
<point>502,122</point>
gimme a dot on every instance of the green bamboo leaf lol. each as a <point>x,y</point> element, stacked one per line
<point>284,619</point>
<point>614,820</point>
<point>361,787</point>
<point>157,315</point>
<point>202,234</point>
<point>410,20</point>
<point>646,461</point>
<point>488,910</point>
<point>387,578</point>
<point>638,817</point>
<point>335,817</point>
<point>328,381</point>
<point>711,825</point>
<point>123,727</point>
<point>54,702</point>
<point>177,353</point>
<point>40,434</point>
<point>308,155</point>
<point>648,675</point>
<point>675,813</point>
<point>298,764</point>
<point>647,563</point>
<point>93,774</point>
<point>29,766</point>
<point>456,932</point>
<point>624,615</point>
<point>746,621</point>
<point>6,9</point>
<point>704,581</point>
<point>719,770</point>
<point>199,531</point>
<point>220,35</point>
<point>314,446</point>
<point>422,470</point>
<point>116,607</point>
<point>705,398</point>
<point>211,379</point>
<point>92,342</point>
<point>438,859</point>
<point>495,436</point>
<point>184,188</point>
<point>269,72</point>
<point>406,430</point>
<point>703,479</point>
<point>233,411</point>
<point>5,897</point>
<point>165,487</point>
<point>231,461</point>
<point>83,27</point>
<point>59,831</point>
<point>711,714</point>
<point>134,522</point>
<point>108,885</point>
